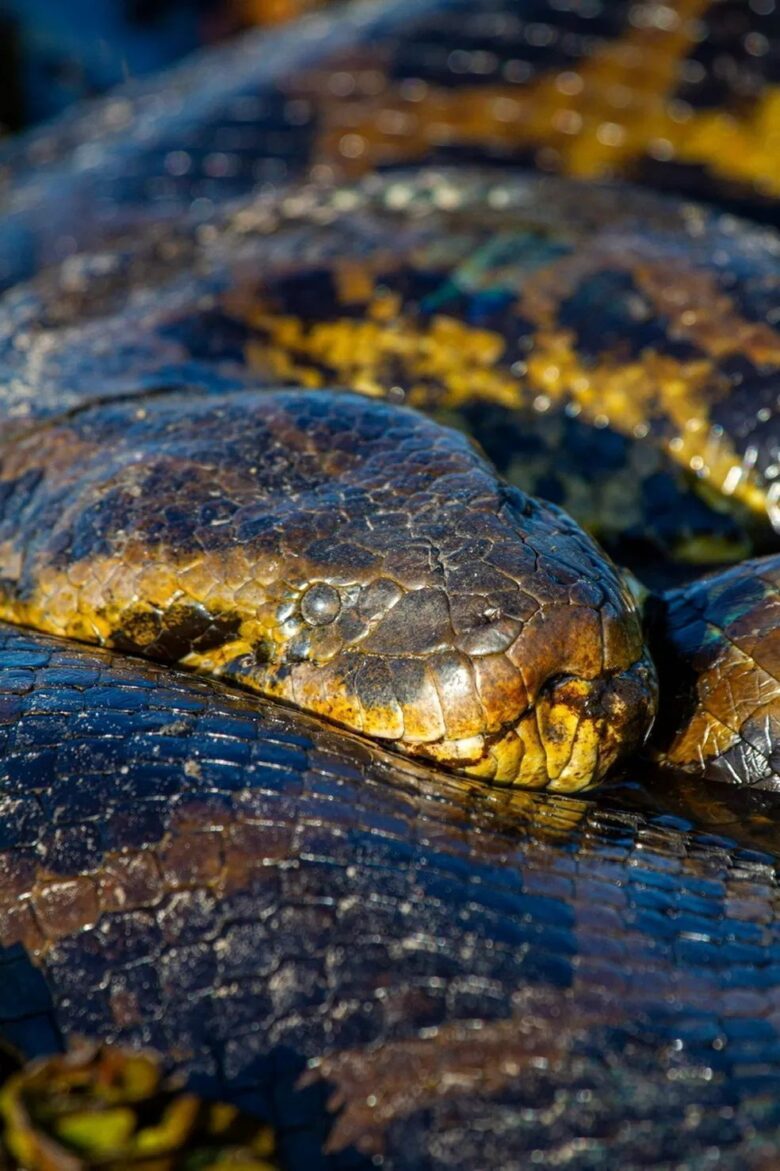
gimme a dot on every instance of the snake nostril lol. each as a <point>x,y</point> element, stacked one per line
<point>321,604</point>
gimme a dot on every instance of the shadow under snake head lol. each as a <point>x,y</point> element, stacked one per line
<point>345,555</point>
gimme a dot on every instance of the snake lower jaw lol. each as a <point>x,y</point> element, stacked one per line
<point>577,731</point>
<point>574,732</point>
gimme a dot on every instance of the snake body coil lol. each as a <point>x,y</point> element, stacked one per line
<point>515,977</point>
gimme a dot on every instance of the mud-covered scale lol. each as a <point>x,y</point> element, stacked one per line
<point>476,975</point>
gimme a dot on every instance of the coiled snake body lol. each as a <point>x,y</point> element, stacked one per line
<point>514,975</point>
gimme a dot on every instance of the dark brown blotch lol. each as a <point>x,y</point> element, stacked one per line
<point>170,635</point>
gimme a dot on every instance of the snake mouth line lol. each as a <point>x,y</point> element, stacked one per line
<point>566,739</point>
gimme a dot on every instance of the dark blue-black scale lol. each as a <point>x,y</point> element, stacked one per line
<point>445,46</point>
<point>381,890</point>
<point>730,29</point>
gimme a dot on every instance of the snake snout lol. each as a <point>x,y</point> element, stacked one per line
<point>564,733</point>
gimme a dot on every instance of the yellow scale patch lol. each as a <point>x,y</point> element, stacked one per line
<point>463,361</point>
<point>595,120</point>
<point>91,600</point>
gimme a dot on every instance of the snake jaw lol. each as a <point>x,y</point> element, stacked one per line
<point>483,715</point>
<point>566,741</point>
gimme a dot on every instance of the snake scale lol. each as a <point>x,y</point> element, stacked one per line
<point>392,962</point>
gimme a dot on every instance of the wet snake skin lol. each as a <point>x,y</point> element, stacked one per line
<point>480,974</point>
<point>393,965</point>
<point>717,645</point>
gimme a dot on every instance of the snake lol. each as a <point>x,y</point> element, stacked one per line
<point>366,500</point>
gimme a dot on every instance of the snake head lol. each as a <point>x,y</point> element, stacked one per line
<point>421,601</point>
<point>341,554</point>
<point>517,689</point>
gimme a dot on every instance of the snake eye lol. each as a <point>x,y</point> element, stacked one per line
<point>321,604</point>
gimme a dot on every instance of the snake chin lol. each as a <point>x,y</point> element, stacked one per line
<point>574,734</point>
